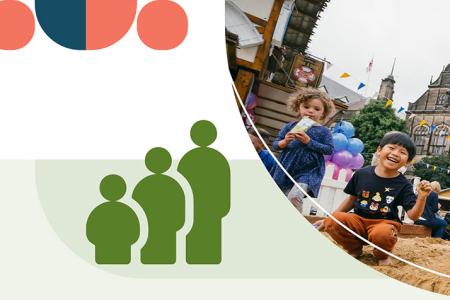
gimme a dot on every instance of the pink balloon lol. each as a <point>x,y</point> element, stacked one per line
<point>342,158</point>
<point>348,174</point>
<point>336,172</point>
<point>356,162</point>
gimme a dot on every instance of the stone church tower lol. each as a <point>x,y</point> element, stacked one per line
<point>433,107</point>
<point>387,86</point>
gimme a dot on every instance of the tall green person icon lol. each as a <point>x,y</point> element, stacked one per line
<point>208,173</point>
<point>112,226</point>
<point>162,199</point>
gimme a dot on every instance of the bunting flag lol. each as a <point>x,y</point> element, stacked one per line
<point>329,65</point>
<point>369,67</point>
<point>361,85</point>
<point>432,128</point>
<point>400,109</point>
<point>344,75</point>
<point>388,103</point>
<point>433,167</point>
<point>412,116</point>
<point>423,122</point>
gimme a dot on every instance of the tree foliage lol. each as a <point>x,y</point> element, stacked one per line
<point>436,169</point>
<point>372,123</point>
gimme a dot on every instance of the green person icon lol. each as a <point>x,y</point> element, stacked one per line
<point>208,174</point>
<point>112,226</point>
<point>162,199</point>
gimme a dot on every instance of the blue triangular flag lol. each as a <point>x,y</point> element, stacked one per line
<point>400,109</point>
<point>433,127</point>
<point>361,85</point>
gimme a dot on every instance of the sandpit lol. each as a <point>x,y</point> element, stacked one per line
<point>428,252</point>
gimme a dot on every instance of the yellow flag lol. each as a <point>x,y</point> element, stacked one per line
<point>388,103</point>
<point>345,75</point>
<point>423,122</point>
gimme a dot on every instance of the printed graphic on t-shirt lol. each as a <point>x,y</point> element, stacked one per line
<point>385,210</point>
<point>389,199</point>
<point>374,206</point>
<point>377,197</point>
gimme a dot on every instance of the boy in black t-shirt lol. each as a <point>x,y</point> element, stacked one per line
<point>374,194</point>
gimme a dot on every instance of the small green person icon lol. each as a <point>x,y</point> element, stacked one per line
<point>112,226</point>
<point>162,199</point>
<point>208,174</point>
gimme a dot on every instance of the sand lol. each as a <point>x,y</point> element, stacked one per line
<point>428,252</point>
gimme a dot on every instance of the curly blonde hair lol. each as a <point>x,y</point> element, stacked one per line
<point>304,95</point>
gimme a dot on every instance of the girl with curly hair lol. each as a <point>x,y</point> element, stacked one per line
<point>302,152</point>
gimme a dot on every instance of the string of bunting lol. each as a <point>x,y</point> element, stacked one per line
<point>433,167</point>
<point>361,85</point>
<point>389,102</point>
<point>423,122</point>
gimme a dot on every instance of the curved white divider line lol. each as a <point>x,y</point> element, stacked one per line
<point>319,206</point>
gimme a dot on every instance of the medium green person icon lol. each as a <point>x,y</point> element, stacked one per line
<point>112,226</point>
<point>162,199</point>
<point>208,173</point>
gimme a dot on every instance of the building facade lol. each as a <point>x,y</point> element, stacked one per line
<point>431,138</point>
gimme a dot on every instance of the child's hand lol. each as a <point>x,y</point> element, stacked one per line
<point>289,137</point>
<point>319,225</point>
<point>424,188</point>
<point>303,137</point>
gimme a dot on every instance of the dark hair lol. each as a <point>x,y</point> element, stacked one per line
<point>402,139</point>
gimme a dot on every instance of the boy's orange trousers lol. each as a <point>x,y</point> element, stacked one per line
<point>381,232</point>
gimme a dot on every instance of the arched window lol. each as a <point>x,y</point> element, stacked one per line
<point>419,136</point>
<point>439,139</point>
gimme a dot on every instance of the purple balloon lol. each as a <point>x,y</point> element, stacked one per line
<point>357,161</point>
<point>342,158</point>
<point>327,157</point>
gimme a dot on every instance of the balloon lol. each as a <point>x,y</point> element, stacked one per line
<point>327,157</point>
<point>357,161</point>
<point>348,174</point>
<point>336,169</point>
<point>342,158</point>
<point>355,146</point>
<point>346,128</point>
<point>340,142</point>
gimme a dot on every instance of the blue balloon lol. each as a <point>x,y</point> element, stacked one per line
<point>355,146</point>
<point>340,142</point>
<point>346,128</point>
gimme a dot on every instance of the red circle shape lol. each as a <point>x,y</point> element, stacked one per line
<point>162,25</point>
<point>16,25</point>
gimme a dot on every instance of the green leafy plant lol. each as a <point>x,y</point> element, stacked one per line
<point>372,123</point>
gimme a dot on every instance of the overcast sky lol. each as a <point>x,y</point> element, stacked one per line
<point>416,32</point>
